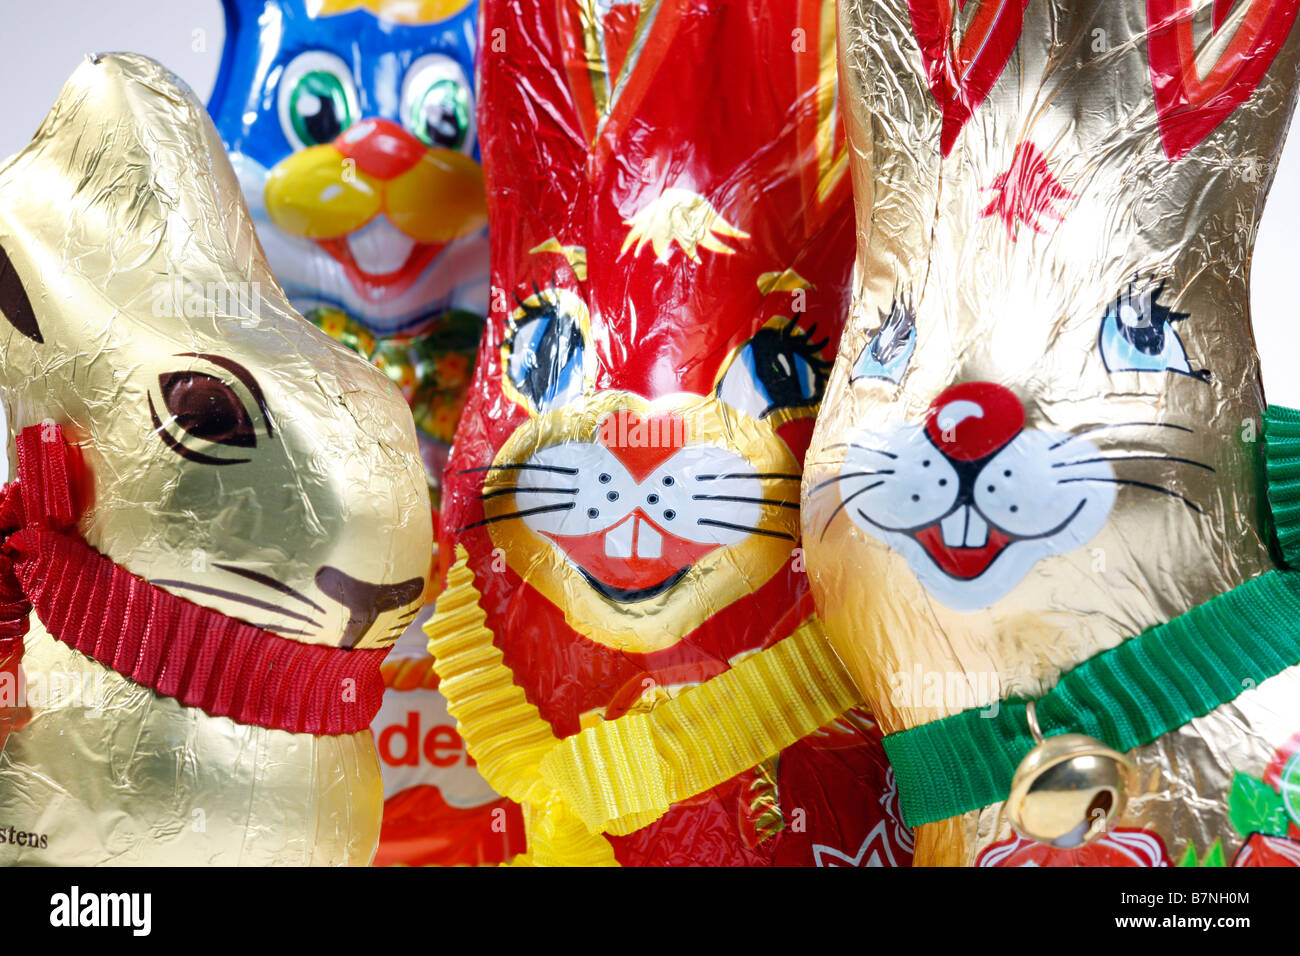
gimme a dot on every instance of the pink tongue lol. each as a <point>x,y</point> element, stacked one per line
<point>634,573</point>
<point>962,563</point>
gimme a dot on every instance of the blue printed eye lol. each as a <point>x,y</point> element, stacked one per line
<point>779,368</point>
<point>546,356</point>
<point>438,103</point>
<point>316,99</point>
<point>1138,335</point>
<point>887,354</point>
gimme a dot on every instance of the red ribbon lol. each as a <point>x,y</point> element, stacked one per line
<point>180,649</point>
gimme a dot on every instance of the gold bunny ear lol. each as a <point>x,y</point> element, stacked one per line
<point>125,178</point>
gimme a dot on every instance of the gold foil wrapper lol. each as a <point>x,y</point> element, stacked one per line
<point>1042,432</point>
<point>239,458</point>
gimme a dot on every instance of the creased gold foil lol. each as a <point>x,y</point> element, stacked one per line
<point>124,222</point>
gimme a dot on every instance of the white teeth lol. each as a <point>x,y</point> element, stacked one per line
<point>953,527</point>
<point>380,247</point>
<point>964,528</point>
<point>649,542</point>
<point>635,535</point>
<point>618,541</point>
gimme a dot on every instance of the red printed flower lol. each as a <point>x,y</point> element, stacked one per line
<point>1026,192</point>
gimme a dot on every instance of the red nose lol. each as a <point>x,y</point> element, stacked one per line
<point>974,419</point>
<point>642,443</point>
<point>380,148</point>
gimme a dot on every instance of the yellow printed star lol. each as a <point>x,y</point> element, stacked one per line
<point>683,217</point>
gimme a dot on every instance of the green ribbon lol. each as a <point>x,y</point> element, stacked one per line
<point>1131,694</point>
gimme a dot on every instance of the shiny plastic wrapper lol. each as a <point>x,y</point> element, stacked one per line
<point>1041,435</point>
<point>235,457</point>
<point>671,227</point>
<point>351,126</point>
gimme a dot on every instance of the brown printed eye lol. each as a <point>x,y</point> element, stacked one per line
<point>207,408</point>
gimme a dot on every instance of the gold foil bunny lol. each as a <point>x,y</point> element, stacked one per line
<point>1042,436</point>
<point>242,469</point>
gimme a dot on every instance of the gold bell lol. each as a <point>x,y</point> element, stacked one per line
<point>1068,790</point>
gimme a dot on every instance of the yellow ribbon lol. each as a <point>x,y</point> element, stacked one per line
<point>623,774</point>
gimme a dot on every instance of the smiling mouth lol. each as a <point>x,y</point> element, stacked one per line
<point>963,543</point>
<point>633,560</point>
<point>381,261</point>
<point>967,559</point>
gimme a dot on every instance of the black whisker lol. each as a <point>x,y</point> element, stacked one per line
<point>744,527</point>
<point>557,469</point>
<point>758,501</point>
<point>235,596</point>
<point>517,514</point>
<point>517,489</point>
<point>849,474</point>
<point>841,506</point>
<point>271,583</point>
<point>1097,428</point>
<point>1089,461</point>
<point>1139,484</point>
<point>757,474</point>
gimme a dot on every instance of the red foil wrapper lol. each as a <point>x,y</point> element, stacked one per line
<point>672,240</point>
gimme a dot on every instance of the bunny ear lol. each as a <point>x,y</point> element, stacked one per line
<point>241,18</point>
<point>1191,100</point>
<point>128,178</point>
<point>964,54</point>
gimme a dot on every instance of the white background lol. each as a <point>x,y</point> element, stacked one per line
<point>41,42</point>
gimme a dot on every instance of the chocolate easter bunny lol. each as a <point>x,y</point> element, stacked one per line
<point>1034,506</point>
<point>220,520</point>
<point>626,638</point>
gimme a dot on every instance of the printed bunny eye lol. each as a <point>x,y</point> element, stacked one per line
<point>438,104</point>
<point>546,357</point>
<point>316,99</point>
<point>202,406</point>
<point>207,408</point>
<point>779,368</point>
<point>888,353</point>
<point>1138,335</point>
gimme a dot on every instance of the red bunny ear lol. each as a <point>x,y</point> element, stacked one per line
<point>593,77</point>
<point>962,69</point>
<point>1190,104</point>
<point>611,56</point>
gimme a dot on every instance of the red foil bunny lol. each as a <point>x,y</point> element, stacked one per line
<point>628,638</point>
